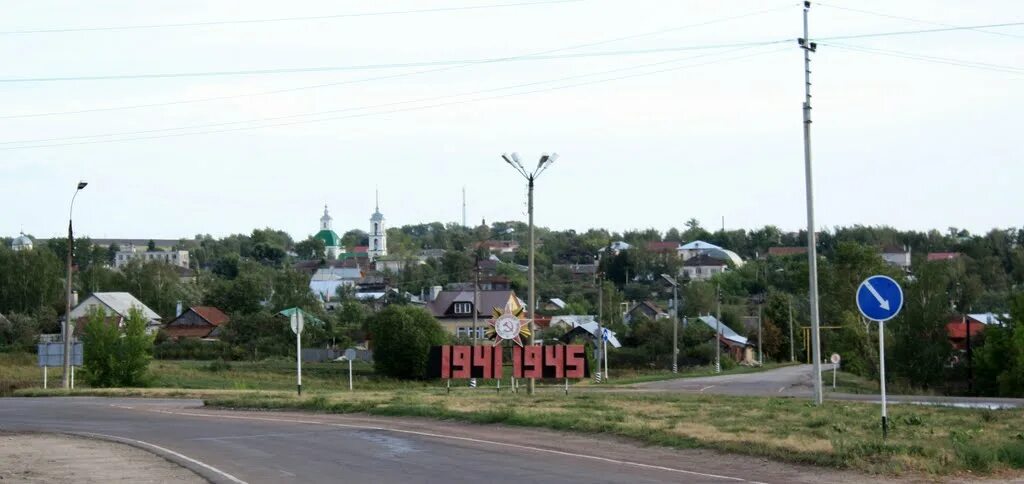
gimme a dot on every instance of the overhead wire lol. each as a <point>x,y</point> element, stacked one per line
<point>913,19</point>
<point>392,76</point>
<point>415,108</point>
<point>929,58</point>
<point>284,19</point>
<point>921,31</point>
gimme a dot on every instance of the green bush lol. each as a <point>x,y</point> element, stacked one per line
<point>116,356</point>
<point>401,337</point>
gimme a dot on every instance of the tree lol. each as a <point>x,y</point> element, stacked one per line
<point>999,362</point>
<point>116,356</point>
<point>151,245</point>
<point>920,348</point>
<point>310,249</point>
<point>402,337</point>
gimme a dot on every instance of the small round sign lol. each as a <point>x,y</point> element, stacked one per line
<point>835,358</point>
<point>350,354</point>
<point>879,298</point>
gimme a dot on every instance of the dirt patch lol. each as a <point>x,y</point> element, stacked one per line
<point>61,459</point>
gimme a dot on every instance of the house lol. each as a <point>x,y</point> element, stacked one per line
<point>454,309</point>
<point>116,305</point>
<point>553,304</point>
<point>739,347</point>
<point>326,281</point>
<point>645,309</point>
<point>578,272</point>
<point>582,325</point>
<point>616,247</point>
<point>178,258</point>
<point>702,267</point>
<point>395,264</point>
<point>897,256</point>
<point>499,246</point>
<point>197,322</point>
<point>658,247</point>
<point>693,249</point>
<point>786,251</point>
<point>956,328</point>
<point>934,256</point>
<point>427,254</point>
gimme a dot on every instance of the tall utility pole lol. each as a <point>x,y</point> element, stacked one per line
<point>464,206</point>
<point>760,314</point>
<point>812,252</point>
<point>545,161</point>
<point>718,329</point>
<point>600,315</point>
<point>675,321</point>
<point>476,299</point>
<point>792,347</point>
<point>68,328</point>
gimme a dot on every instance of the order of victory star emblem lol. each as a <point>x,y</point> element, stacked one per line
<point>506,325</point>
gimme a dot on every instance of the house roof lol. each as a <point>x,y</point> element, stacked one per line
<point>122,302</point>
<point>361,249</point>
<point>657,246</point>
<point>337,274</point>
<point>488,300</point>
<point>894,249</point>
<point>329,237</point>
<point>726,332</point>
<point>703,260</point>
<point>578,268</point>
<point>649,305</point>
<point>943,255</point>
<point>557,302</point>
<point>698,245</point>
<point>211,315</point>
<point>786,251</point>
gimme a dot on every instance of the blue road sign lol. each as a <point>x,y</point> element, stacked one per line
<point>879,298</point>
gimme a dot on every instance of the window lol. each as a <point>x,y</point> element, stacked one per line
<point>463,308</point>
<point>376,228</point>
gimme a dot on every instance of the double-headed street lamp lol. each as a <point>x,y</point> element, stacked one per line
<point>675,321</point>
<point>68,329</point>
<point>545,161</point>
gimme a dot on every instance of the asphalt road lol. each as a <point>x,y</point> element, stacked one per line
<point>236,446</point>
<point>797,381</point>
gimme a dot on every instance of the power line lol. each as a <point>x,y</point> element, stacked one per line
<point>416,108</point>
<point>476,61</point>
<point>928,58</point>
<point>393,65</point>
<point>392,76</point>
<point>912,19</point>
<point>284,19</point>
<point>359,108</point>
<point>923,31</point>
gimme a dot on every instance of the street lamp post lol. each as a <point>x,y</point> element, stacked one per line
<point>67,329</point>
<point>530,176</point>
<point>675,321</point>
<point>718,329</point>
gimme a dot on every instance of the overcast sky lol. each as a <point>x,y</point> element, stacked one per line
<point>646,139</point>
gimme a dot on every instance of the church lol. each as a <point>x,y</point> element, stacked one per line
<point>377,240</point>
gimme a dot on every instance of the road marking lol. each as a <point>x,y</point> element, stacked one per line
<point>705,388</point>
<point>171,452</point>
<point>465,439</point>
<point>781,389</point>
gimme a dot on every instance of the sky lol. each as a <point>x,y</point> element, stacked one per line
<point>660,111</point>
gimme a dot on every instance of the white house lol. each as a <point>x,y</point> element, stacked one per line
<point>327,280</point>
<point>177,258</point>
<point>702,267</point>
<point>897,256</point>
<point>116,304</point>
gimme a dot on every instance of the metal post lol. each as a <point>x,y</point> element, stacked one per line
<point>760,313</point>
<point>350,375</point>
<point>970,366</point>
<point>792,344</point>
<point>812,253</point>
<point>835,368</point>
<point>476,303</point>
<point>72,377</point>
<point>531,304</point>
<point>67,330</point>
<point>675,329</point>
<point>718,330</point>
<point>881,371</point>
<point>298,350</point>
<point>600,315</point>
<point>44,377</point>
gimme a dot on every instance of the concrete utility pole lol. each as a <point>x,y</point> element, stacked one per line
<point>545,161</point>
<point>812,252</point>
<point>760,313</point>
<point>600,315</point>
<point>718,329</point>
<point>476,300</point>
<point>792,347</point>
<point>68,329</point>
<point>675,321</point>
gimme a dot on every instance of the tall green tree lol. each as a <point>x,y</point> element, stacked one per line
<point>402,337</point>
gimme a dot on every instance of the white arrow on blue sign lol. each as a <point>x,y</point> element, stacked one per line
<point>879,298</point>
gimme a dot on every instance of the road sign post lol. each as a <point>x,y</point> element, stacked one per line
<point>297,324</point>
<point>835,367</point>
<point>880,298</point>
<point>350,354</point>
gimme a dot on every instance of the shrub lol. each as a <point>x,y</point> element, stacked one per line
<point>116,356</point>
<point>401,338</point>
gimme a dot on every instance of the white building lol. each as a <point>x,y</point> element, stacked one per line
<point>702,267</point>
<point>118,305</point>
<point>326,281</point>
<point>897,256</point>
<point>378,240</point>
<point>21,242</point>
<point>177,258</point>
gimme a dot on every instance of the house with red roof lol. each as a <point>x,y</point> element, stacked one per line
<point>933,256</point>
<point>197,322</point>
